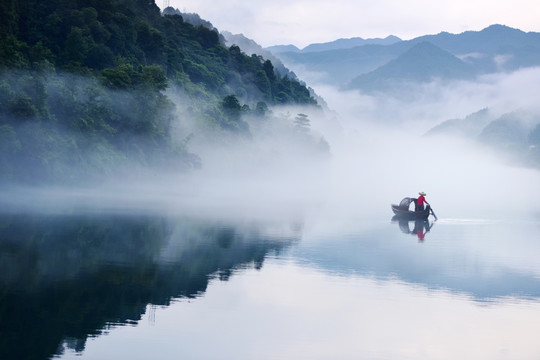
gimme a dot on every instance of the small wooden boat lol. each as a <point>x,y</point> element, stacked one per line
<point>402,210</point>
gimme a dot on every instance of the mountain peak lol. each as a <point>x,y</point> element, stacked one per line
<point>430,60</point>
<point>423,62</point>
<point>347,43</point>
<point>500,28</point>
<point>276,49</point>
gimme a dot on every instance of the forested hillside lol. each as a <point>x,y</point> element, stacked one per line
<point>82,86</point>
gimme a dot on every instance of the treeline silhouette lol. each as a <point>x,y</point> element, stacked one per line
<point>66,278</point>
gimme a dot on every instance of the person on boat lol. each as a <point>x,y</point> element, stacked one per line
<point>421,201</point>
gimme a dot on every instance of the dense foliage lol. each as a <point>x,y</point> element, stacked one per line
<point>99,69</point>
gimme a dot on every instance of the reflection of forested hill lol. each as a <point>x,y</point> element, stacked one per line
<point>66,278</point>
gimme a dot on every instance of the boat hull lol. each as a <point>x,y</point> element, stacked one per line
<point>407,214</point>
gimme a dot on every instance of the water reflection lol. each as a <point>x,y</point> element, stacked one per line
<point>65,278</point>
<point>487,261</point>
<point>289,311</point>
<point>420,226</point>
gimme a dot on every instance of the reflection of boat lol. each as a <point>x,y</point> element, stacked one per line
<point>405,224</point>
<point>402,210</point>
<point>421,226</point>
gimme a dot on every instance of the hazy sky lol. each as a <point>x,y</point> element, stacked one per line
<point>301,22</point>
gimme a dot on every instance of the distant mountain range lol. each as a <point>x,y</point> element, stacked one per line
<point>373,66</point>
<point>335,45</point>
<point>514,133</point>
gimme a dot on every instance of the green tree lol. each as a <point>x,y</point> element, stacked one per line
<point>118,78</point>
<point>153,76</point>
<point>99,57</point>
<point>231,106</point>
<point>261,109</point>
<point>302,123</point>
<point>263,84</point>
<point>77,47</point>
<point>268,68</point>
<point>22,107</point>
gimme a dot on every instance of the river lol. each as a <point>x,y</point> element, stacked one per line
<point>91,286</point>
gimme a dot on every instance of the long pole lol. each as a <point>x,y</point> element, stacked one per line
<point>433,213</point>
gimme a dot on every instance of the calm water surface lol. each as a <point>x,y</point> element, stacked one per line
<point>141,287</point>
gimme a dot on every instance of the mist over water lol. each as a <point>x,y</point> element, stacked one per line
<point>461,179</point>
<point>382,154</point>
<point>378,155</point>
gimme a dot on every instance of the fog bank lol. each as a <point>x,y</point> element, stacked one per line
<point>377,155</point>
<point>382,156</point>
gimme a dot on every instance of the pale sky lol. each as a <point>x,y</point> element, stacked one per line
<point>302,22</point>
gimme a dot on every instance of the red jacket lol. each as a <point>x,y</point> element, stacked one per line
<point>421,200</point>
